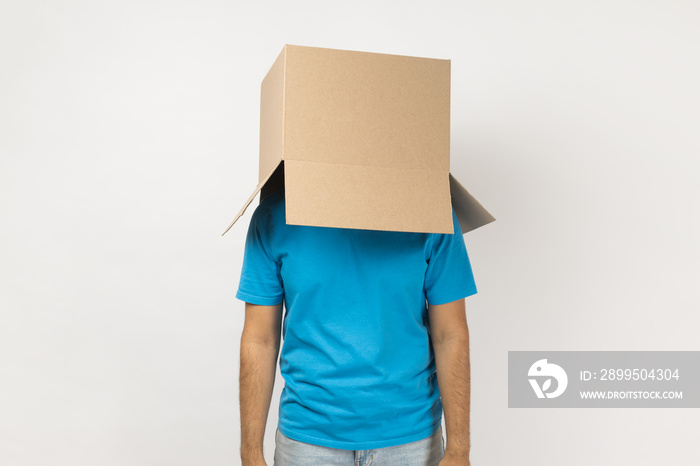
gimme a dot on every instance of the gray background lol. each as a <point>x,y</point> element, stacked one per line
<point>129,139</point>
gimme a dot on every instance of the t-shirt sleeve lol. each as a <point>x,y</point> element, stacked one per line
<point>260,282</point>
<point>449,274</point>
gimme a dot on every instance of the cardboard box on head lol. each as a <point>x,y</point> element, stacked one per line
<point>361,140</point>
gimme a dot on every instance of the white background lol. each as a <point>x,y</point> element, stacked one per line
<point>129,140</point>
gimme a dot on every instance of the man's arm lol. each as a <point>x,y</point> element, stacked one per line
<point>450,337</point>
<point>260,344</point>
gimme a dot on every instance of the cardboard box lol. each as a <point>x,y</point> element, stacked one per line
<point>361,140</point>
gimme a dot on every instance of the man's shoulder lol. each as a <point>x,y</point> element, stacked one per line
<point>271,207</point>
<point>273,201</point>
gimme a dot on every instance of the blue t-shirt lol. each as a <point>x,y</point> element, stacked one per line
<point>357,359</point>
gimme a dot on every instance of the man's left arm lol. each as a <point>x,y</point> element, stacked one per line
<point>450,338</point>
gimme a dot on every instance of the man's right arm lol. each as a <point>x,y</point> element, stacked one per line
<point>260,344</point>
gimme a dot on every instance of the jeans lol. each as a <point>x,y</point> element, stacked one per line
<point>426,452</point>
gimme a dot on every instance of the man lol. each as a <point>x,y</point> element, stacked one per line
<point>375,322</point>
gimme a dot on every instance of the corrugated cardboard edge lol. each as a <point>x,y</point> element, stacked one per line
<point>264,125</point>
<point>470,213</point>
<point>272,120</point>
<point>252,196</point>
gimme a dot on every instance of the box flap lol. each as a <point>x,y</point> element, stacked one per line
<point>470,213</point>
<point>260,186</point>
<point>367,198</point>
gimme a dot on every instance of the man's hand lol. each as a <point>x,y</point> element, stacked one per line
<point>260,462</point>
<point>454,460</point>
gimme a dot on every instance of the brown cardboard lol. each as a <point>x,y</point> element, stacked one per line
<point>361,140</point>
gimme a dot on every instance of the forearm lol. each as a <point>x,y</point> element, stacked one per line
<point>257,379</point>
<point>454,374</point>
